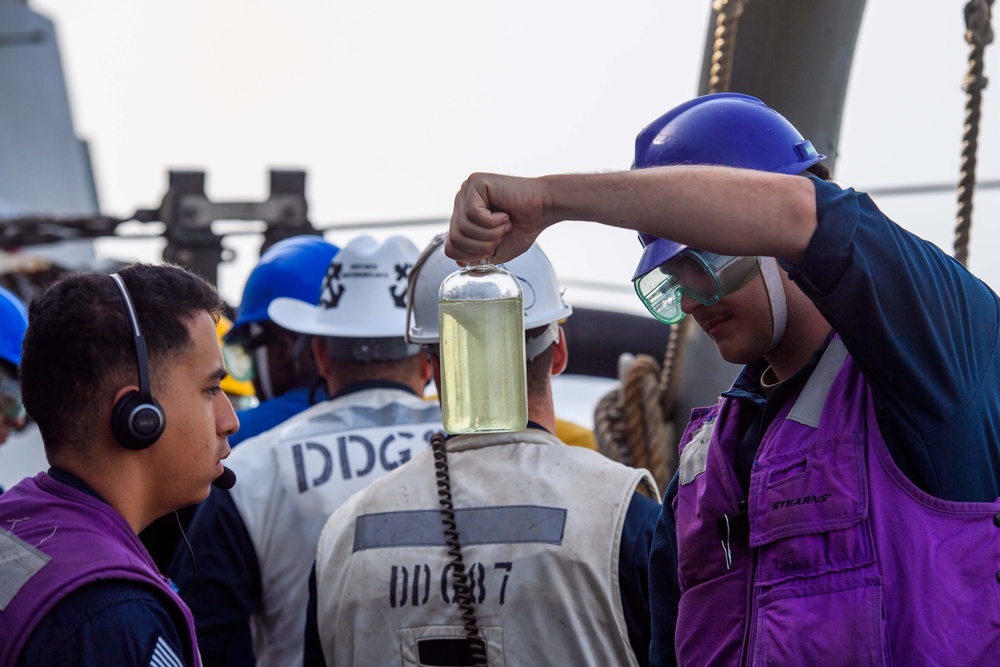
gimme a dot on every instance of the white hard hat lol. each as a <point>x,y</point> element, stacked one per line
<point>363,293</point>
<point>543,302</point>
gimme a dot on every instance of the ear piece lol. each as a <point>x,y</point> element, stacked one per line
<point>137,418</point>
<point>137,423</point>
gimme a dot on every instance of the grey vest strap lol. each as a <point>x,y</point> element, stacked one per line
<point>19,561</point>
<point>694,458</point>
<point>808,408</point>
<point>479,525</point>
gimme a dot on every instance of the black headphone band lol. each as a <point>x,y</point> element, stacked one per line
<point>142,364</point>
<point>136,419</point>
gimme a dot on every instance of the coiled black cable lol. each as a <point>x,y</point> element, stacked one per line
<point>477,645</point>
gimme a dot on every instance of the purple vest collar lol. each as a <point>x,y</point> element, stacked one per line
<point>55,539</point>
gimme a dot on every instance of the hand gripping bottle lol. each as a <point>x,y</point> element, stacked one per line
<point>481,317</point>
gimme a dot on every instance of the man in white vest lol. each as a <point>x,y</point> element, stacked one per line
<point>545,556</point>
<point>254,545</point>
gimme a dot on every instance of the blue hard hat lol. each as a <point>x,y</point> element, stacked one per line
<point>294,268</point>
<point>729,129</point>
<point>13,324</point>
<point>725,129</point>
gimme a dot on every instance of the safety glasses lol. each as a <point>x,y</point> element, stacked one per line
<point>239,361</point>
<point>11,407</point>
<point>704,276</point>
<point>239,352</point>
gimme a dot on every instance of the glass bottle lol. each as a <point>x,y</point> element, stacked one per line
<point>481,319</point>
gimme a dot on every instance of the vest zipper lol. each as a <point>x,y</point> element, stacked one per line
<point>749,635</point>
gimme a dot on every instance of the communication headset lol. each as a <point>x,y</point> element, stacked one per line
<point>137,419</point>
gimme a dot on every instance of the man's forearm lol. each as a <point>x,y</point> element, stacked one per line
<point>719,209</point>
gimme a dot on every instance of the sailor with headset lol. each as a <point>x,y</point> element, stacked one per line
<point>78,586</point>
<point>254,546</point>
<point>550,561</point>
<point>271,373</point>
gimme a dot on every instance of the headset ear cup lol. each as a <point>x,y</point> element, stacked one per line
<point>137,424</point>
<point>119,427</point>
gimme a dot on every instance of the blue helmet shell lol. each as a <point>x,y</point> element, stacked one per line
<point>728,129</point>
<point>13,324</point>
<point>294,268</point>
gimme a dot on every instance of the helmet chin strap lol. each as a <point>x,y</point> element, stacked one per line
<point>543,341</point>
<point>263,369</point>
<point>776,295</point>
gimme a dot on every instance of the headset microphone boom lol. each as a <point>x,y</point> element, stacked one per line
<point>226,480</point>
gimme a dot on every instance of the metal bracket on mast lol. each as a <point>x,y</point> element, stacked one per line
<point>188,214</point>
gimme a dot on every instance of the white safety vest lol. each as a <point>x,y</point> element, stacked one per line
<point>540,525</point>
<point>294,476</point>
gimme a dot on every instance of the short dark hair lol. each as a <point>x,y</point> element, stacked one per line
<point>79,347</point>
<point>821,170</point>
<point>350,371</point>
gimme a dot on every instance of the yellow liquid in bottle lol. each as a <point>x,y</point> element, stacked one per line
<point>482,366</point>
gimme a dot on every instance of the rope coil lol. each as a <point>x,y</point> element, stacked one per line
<point>979,33</point>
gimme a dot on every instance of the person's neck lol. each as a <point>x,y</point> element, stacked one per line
<point>802,338</point>
<point>542,411</point>
<point>335,387</point>
<point>120,489</point>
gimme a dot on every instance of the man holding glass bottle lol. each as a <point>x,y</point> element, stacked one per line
<point>842,495</point>
<point>543,553</point>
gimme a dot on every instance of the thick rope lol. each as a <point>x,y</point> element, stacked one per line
<point>728,13</point>
<point>636,423</point>
<point>632,423</point>
<point>646,425</point>
<point>670,375</point>
<point>609,427</point>
<point>979,33</point>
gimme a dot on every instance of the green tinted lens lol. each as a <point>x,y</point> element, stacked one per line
<point>702,276</point>
<point>692,273</point>
<point>239,362</point>
<point>707,277</point>
<point>730,272</point>
<point>10,398</point>
<point>661,295</point>
<point>695,277</point>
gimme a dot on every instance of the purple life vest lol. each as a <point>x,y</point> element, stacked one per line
<point>55,539</point>
<point>836,558</point>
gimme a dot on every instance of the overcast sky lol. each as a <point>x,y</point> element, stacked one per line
<point>389,104</point>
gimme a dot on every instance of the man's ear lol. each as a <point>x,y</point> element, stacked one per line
<point>426,370</point>
<point>560,354</point>
<point>127,389</point>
